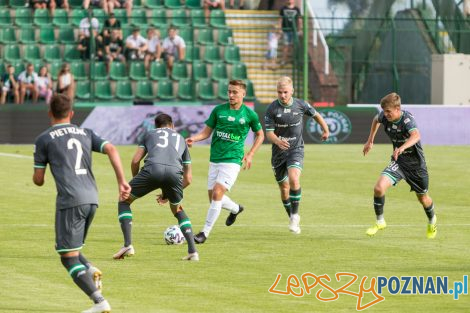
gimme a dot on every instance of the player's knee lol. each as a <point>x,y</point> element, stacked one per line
<point>379,190</point>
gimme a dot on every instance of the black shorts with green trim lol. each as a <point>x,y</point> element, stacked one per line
<point>167,178</point>
<point>293,158</point>
<point>71,227</point>
<point>418,179</point>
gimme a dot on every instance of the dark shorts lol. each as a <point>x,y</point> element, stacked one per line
<point>71,227</point>
<point>417,179</point>
<point>167,178</point>
<point>294,158</point>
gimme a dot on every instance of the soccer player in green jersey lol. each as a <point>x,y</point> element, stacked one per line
<point>407,161</point>
<point>67,148</point>
<point>229,124</point>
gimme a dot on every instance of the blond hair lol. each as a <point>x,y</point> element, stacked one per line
<point>285,81</point>
<point>392,100</point>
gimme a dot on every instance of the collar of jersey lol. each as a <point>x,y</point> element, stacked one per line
<point>401,116</point>
<point>61,124</point>
<point>291,101</point>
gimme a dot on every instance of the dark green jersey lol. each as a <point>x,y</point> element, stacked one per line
<point>165,146</point>
<point>399,132</point>
<point>230,129</point>
<point>67,148</point>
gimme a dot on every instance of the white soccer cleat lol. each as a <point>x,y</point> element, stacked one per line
<point>97,276</point>
<point>294,224</point>
<point>191,257</point>
<point>123,252</point>
<point>102,307</point>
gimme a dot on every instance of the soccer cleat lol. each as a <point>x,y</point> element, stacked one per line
<point>294,221</point>
<point>200,238</point>
<point>374,229</point>
<point>432,229</point>
<point>233,216</point>
<point>102,307</point>
<point>191,257</point>
<point>97,276</point>
<point>124,252</point>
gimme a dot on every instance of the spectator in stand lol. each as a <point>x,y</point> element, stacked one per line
<point>10,85</point>
<point>85,51</point>
<point>289,22</point>
<point>174,48</point>
<point>241,4</point>
<point>136,45</point>
<point>44,84</point>
<point>109,24</point>
<point>28,79</point>
<point>66,82</point>
<point>273,43</point>
<point>154,50</point>
<point>213,5</point>
<point>59,4</point>
<point>120,4</point>
<point>86,23</point>
<point>113,47</point>
<point>466,8</point>
<point>104,4</point>
<point>44,4</point>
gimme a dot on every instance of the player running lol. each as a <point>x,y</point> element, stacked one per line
<point>167,166</point>
<point>407,161</point>
<point>284,125</point>
<point>67,148</point>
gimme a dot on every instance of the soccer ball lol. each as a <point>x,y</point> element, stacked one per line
<point>173,235</point>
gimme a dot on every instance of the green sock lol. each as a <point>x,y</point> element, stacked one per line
<point>186,229</point>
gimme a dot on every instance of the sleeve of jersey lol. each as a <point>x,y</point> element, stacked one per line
<point>309,110</point>
<point>380,117</point>
<point>97,143</point>
<point>40,155</point>
<point>186,156</point>
<point>410,124</point>
<point>269,121</point>
<point>254,124</point>
<point>212,120</point>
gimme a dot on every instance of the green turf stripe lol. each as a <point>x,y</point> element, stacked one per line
<point>394,181</point>
<point>76,268</point>
<point>102,145</point>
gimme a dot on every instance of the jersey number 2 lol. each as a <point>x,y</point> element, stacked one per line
<point>74,142</point>
<point>164,137</point>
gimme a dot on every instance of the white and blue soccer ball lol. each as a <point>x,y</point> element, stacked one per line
<point>173,235</point>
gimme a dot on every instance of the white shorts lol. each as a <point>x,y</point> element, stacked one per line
<point>222,173</point>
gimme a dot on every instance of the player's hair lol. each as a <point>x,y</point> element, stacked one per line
<point>285,80</point>
<point>391,100</point>
<point>238,82</point>
<point>162,120</point>
<point>60,106</point>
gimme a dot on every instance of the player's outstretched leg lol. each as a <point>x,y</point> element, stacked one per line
<point>212,216</point>
<point>432,218</point>
<point>294,222</point>
<point>186,228</point>
<point>95,273</point>
<point>235,210</point>
<point>380,223</point>
<point>125,219</point>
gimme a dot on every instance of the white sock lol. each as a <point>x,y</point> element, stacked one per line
<point>212,216</point>
<point>228,204</point>
<point>380,219</point>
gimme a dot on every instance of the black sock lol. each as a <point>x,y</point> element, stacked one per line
<point>83,260</point>
<point>125,218</point>
<point>80,276</point>
<point>287,205</point>
<point>186,229</point>
<point>430,212</point>
<point>379,205</point>
<point>295,196</point>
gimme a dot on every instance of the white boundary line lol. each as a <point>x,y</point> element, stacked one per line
<point>18,156</point>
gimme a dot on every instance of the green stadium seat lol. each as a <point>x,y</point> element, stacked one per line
<point>23,17</point>
<point>217,19</point>
<point>205,36</point>
<point>103,90</point>
<point>121,15</point>
<point>3,4</point>
<point>144,90</point>
<point>137,3</point>
<point>17,3</point>
<point>158,71</point>
<point>199,70</point>
<point>118,71</point>
<point>77,15</point>
<point>124,90</point>
<point>219,71</point>
<point>212,54</point>
<point>165,89</point>
<point>154,4</point>
<point>8,35</point>
<point>77,68</point>
<point>138,17</point>
<point>187,34</point>
<point>100,15</point>
<point>239,71</point>
<point>5,18</point>
<point>198,18</point>
<point>179,18</point>
<point>222,88</point>
<point>46,34</point>
<point>206,90</point>
<point>37,64</point>
<point>224,37</point>
<point>41,17</point>
<point>71,53</point>
<point>2,68</point>
<point>19,66</point>
<point>180,71</point>
<point>173,4</point>
<point>27,35</point>
<point>32,53</point>
<point>76,3</point>
<point>158,18</point>
<point>54,69</point>
<point>67,35</point>
<point>250,91</point>
<point>83,90</point>
<point>60,18</point>
<point>137,71</point>
<point>192,53</point>
<point>185,89</point>
<point>52,53</point>
<point>99,71</point>
<point>232,54</point>
<point>11,53</point>
<point>193,4</point>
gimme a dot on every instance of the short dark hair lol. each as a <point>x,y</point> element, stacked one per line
<point>60,106</point>
<point>163,120</point>
<point>238,82</point>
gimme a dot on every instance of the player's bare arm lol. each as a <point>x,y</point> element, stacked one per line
<point>414,138</point>
<point>38,176</point>
<point>187,175</point>
<point>204,134</point>
<point>370,141</point>
<point>115,160</point>
<point>248,157</point>
<point>135,163</point>
<point>324,126</point>
<point>274,139</point>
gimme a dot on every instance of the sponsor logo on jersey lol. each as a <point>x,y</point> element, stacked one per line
<point>230,119</point>
<point>407,120</point>
<point>279,115</point>
<point>339,124</point>
<point>394,126</point>
<point>286,110</point>
<point>228,136</point>
<point>295,113</point>
<point>242,121</point>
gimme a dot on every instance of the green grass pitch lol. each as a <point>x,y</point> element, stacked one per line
<point>240,263</point>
